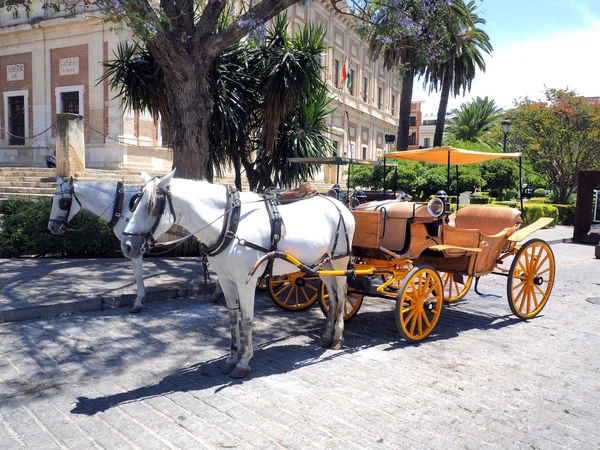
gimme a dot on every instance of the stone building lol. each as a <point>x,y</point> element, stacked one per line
<point>51,63</point>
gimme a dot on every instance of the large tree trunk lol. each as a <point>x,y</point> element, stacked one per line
<point>405,107</point>
<point>190,107</point>
<point>441,115</point>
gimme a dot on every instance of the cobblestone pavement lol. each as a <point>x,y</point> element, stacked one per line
<point>109,379</point>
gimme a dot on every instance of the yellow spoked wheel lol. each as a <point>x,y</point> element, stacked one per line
<point>530,279</point>
<point>419,304</point>
<point>351,305</point>
<point>294,291</point>
<point>455,286</point>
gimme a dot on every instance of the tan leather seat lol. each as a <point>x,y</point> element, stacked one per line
<point>490,220</point>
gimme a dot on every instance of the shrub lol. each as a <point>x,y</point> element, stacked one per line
<point>566,214</point>
<point>533,212</point>
<point>538,200</point>
<point>24,232</point>
<point>480,200</point>
<point>509,194</point>
<point>510,204</point>
<point>539,192</point>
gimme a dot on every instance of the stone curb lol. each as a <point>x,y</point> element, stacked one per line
<point>97,303</point>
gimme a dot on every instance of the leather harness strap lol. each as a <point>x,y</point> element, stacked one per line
<point>119,198</point>
<point>231,221</point>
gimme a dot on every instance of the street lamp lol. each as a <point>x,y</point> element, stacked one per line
<point>505,129</point>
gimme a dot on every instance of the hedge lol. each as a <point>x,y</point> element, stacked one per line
<point>566,214</point>
<point>24,232</point>
<point>539,192</point>
<point>480,200</point>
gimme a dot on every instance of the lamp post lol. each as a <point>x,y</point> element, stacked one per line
<point>505,129</point>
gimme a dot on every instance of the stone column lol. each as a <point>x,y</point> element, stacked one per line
<point>70,145</point>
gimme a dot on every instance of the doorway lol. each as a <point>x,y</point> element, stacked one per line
<point>16,120</point>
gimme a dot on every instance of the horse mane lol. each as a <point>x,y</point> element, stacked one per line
<point>149,190</point>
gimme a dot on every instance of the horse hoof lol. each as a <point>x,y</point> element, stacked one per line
<point>337,344</point>
<point>240,372</point>
<point>326,341</point>
<point>136,309</point>
<point>227,368</point>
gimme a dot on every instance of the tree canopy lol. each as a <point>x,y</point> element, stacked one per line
<point>559,136</point>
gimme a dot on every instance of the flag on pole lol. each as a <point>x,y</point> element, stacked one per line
<point>344,73</point>
<point>349,82</point>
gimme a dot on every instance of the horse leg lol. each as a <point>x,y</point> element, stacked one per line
<point>218,294</point>
<point>247,293</point>
<point>341,287</point>
<point>139,282</point>
<point>327,338</point>
<point>233,310</point>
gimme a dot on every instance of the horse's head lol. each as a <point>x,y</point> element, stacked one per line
<point>63,206</point>
<point>152,215</point>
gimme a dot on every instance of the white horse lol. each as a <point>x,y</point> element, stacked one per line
<point>313,227</point>
<point>99,198</point>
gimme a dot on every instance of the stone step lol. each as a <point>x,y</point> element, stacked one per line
<point>7,196</point>
<point>28,190</point>
<point>38,184</point>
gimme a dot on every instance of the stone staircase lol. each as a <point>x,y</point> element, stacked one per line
<point>35,183</point>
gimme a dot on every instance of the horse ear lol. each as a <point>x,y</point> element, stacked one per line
<point>145,177</point>
<point>59,180</point>
<point>166,180</point>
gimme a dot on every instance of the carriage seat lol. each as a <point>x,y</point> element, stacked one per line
<point>490,220</point>
<point>392,219</point>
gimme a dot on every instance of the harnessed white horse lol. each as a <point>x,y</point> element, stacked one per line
<point>105,200</point>
<point>315,227</point>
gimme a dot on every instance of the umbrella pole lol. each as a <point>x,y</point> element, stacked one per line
<point>521,183</point>
<point>457,194</point>
<point>384,174</point>
<point>448,179</point>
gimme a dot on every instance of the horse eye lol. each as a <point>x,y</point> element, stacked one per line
<point>134,202</point>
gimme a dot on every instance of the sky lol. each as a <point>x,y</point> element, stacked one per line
<point>537,44</point>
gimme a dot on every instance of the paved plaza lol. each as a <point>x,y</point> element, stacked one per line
<point>110,379</point>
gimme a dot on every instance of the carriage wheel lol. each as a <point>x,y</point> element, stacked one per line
<point>419,304</point>
<point>530,279</point>
<point>454,287</point>
<point>351,305</point>
<point>294,291</point>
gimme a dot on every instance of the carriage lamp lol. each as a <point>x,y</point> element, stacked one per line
<point>505,129</point>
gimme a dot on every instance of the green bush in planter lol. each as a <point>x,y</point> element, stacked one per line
<point>24,232</point>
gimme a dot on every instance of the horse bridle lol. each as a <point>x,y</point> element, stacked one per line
<point>65,204</point>
<point>162,197</point>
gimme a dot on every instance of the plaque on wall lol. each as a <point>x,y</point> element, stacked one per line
<point>68,66</point>
<point>15,72</point>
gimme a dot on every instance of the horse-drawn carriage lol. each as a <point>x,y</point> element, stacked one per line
<point>422,256</point>
<point>413,252</point>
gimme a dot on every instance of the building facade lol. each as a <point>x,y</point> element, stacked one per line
<point>51,63</point>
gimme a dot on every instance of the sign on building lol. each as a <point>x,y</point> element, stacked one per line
<point>68,66</point>
<point>15,72</point>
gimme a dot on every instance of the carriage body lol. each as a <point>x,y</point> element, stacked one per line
<point>424,257</point>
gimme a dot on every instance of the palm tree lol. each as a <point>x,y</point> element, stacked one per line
<point>456,71</point>
<point>473,119</point>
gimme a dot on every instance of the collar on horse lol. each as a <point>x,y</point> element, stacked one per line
<point>65,204</point>
<point>119,198</point>
<point>231,221</point>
